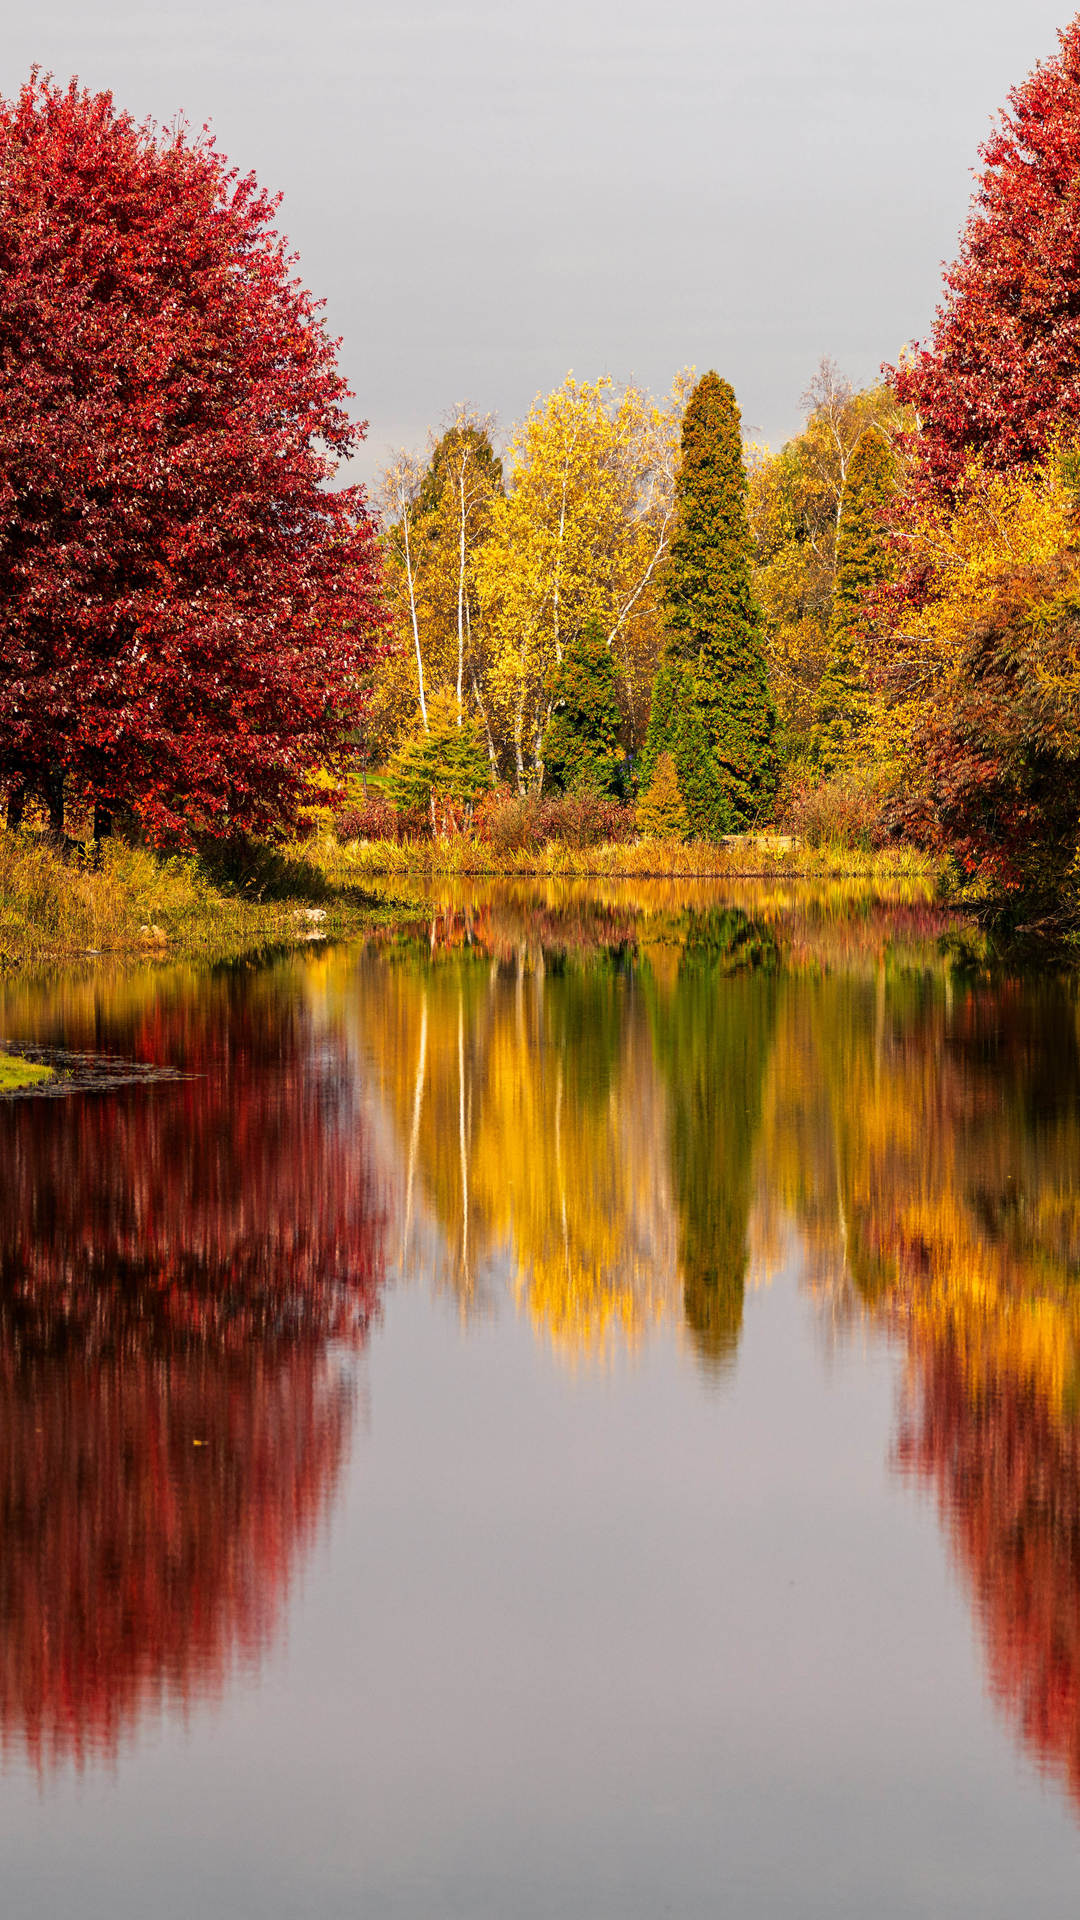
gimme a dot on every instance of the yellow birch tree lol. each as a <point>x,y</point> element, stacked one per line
<point>580,535</point>
<point>435,513</point>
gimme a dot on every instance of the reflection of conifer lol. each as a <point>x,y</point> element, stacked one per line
<point>712,622</point>
<point>581,746</point>
<point>713,1034</point>
<point>862,562</point>
<point>660,811</point>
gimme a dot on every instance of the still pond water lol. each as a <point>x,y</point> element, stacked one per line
<point>569,1409</point>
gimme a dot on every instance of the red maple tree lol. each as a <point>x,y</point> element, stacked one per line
<point>1002,369</point>
<point>186,605</point>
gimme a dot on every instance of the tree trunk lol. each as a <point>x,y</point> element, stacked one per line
<point>54,797</point>
<point>103,820</point>
<point>492,755</point>
<point>16,806</point>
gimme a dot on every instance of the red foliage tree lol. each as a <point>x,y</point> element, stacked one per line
<point>1002,370</point>
<point>1003,759</point>
<point>186,605</point>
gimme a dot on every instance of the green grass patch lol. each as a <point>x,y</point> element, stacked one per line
<point>16,1073</point>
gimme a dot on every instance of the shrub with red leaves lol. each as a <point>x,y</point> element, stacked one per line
<point>376,818</point>
<point>186,607</point>
<point>1004,763</point>
<point>510,823</point>
<point>373,819</point>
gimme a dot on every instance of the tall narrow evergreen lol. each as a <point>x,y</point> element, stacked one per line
<point>713,624</point>
<point>862,561</point>
<point>581,745</point>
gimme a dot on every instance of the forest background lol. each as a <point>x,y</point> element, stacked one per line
<point>625,622</point>
<point>871,635</point>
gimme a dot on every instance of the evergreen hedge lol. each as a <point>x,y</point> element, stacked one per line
<point>581,745</point>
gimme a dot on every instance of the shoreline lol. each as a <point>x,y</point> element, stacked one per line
<point>749,857</point>
<point>57,911</point>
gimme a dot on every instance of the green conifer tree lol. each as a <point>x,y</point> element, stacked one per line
<point>581,745</point>
<point>712,621</point>
<point>677,726</point>
<point>842,706</point>
<point>660,811</point>
<point>446,765</point>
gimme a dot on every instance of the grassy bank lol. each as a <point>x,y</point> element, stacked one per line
<point>135,901</point>
<point>747,857</point>
<point>56,908</point>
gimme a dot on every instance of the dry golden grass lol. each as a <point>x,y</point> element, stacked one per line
<point>55,907</point>
<point>754,856</point>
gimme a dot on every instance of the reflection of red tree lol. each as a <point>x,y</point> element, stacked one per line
<point>1007,1476</point>
<point>173,1262</point>
<point>151,1510</point>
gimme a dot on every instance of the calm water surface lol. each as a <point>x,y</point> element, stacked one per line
<point>569,1410</point>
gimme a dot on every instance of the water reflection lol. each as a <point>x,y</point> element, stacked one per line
<point>184,1270</point>
<point>531,1126</point>
<point>712,1022</point>
<point>577,1088</point>
<point>617,1108</point>
<point>633,1109</point>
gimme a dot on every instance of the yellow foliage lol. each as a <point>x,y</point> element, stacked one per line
<point>1002,525</point>
<point>580,535</point>
<point>796,497</point>
<point>527,1140</point>
<point>436,516</point>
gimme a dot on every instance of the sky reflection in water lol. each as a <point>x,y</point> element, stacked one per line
<point>606,1121</point>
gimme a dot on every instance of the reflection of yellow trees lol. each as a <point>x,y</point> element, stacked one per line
<point>927,1139</point>
<point>933,1145</point>
<point>532,1128</point>
<point>586,1117</point>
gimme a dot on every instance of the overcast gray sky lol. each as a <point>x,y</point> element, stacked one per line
<point>488,194</point>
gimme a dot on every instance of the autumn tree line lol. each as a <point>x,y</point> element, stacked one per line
<point>636,605</point>
<point>871,632</point>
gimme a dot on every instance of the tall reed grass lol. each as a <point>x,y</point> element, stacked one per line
<point>57,905</point>
<point>131,898</point>
<point>760,856</point>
